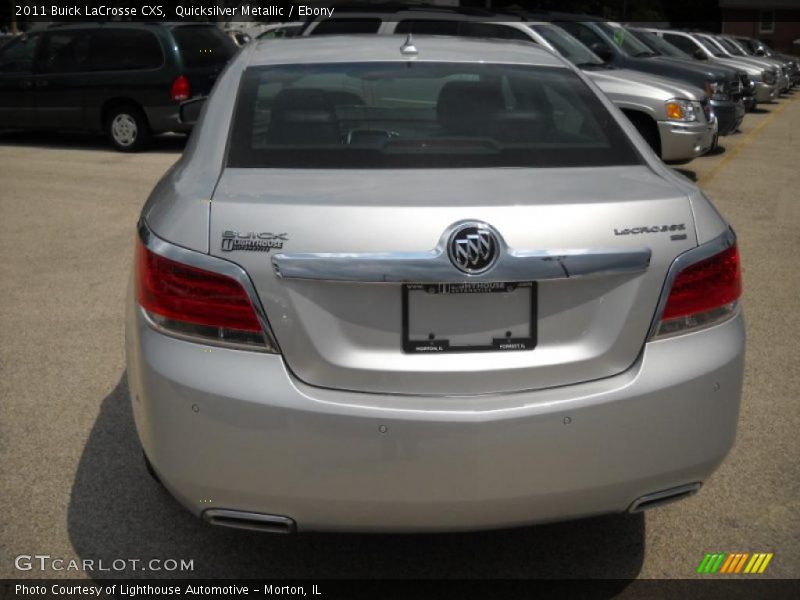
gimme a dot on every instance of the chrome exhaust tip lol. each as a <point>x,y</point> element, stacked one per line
<point>237,519</point>
<point>664,497</point>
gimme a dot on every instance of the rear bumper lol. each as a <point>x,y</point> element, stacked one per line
<point>227,429</point>
<point>729,115</point>
<point>685,141</point>
<point>165,118</point>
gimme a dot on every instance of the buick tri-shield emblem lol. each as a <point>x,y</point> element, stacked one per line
<point>473,248</point>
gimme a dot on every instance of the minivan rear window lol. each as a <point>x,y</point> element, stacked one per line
<point>203,46</point>
<point>422,114</point>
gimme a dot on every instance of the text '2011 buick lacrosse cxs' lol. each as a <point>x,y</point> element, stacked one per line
<point>436,284</point>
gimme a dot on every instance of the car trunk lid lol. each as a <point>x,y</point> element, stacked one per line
<point>343,329</point>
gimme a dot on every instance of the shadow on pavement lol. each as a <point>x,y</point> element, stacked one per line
<point>117,511</point>
<point>687,173</point>
<point>171,142</point>
<point>759,111</point>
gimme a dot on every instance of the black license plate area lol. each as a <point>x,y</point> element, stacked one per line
<point>469,317</point>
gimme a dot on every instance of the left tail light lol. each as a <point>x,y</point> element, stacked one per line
<point>181,90</point>
<point>192,302</point>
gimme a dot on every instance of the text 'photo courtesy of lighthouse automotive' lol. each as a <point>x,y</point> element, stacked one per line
<point>433,284</point>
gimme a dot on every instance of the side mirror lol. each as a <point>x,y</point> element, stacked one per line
<point>761,52</point>
<point>699,54</point>
<point>603,51</point>
<point>189,111</point>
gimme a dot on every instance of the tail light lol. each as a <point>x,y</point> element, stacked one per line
<point>181,89</point>
<point>192,302</point>
<point>702,294</point>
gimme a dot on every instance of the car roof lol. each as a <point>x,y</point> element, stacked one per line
<point>372,48</point>
<point>82,25</point>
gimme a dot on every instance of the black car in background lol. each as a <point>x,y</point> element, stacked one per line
<point>125,79</point>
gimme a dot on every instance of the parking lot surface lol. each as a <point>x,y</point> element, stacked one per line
<point>71,474</point>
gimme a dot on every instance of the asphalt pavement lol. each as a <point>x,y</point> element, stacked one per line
<point>72,481</point>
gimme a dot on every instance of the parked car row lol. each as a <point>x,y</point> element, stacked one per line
<point>681,90</point>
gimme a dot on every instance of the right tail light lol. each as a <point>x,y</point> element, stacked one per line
<point>181,90</point>
<point>703,294</point>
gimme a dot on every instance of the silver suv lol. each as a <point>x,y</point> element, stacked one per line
<point>421,286</point>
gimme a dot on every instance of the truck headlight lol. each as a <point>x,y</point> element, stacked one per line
<point>769,77</point>
<point>683,110</point>
<point>717,90</point>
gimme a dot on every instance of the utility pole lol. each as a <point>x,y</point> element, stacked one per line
<point>13,14</point>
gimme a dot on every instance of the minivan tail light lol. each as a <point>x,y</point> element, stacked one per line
<point>193,302</point>
<point>702,294</point>
<point>181,89</point>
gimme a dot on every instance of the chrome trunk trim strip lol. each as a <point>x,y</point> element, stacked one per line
<point>435,265</point>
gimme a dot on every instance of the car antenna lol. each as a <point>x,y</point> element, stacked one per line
<point>408,46</point>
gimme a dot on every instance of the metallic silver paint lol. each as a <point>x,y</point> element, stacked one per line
<point>262,441</point>
<point>487,441</point>
<point>329,339</point>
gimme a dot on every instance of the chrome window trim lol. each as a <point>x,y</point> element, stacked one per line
<point>722,242</point>
<point>216,265</point>
<point>435,265</point>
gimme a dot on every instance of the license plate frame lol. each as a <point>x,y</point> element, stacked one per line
<point>442,345</point>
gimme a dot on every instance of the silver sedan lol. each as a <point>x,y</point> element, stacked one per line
<point>428,284</point>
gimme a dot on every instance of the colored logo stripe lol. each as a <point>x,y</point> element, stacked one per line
<point>735,562</point>
<point>711,563</point>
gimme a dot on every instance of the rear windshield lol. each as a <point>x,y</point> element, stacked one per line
<point>203,46</point>
<point>422,114</point>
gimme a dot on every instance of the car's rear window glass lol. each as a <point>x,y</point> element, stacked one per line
<point>422,114</point>
<point>338,26</point>
<point>124,49</point>
<point>202,46</point>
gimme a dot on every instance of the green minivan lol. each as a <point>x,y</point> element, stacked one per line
<point>124,79</point>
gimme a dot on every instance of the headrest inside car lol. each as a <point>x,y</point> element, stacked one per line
<point>468,107</point>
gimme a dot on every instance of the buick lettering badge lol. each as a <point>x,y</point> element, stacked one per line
<point>252,241</point>
<point>473,248</point>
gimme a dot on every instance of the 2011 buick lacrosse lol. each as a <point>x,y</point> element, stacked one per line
<point>428,284</point>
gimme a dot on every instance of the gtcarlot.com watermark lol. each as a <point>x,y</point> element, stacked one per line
<point>47,563</point>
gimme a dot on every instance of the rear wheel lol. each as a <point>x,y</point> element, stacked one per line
<point>127,128</point>
<point>150,470</point>
<point>647,129</point>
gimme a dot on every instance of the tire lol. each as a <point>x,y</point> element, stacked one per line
<point>127,128</point>
<point>150,470</point>
<point>647,129</point>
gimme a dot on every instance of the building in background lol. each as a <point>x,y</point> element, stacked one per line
<point>776,22</point>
